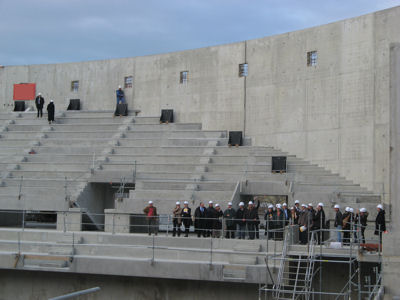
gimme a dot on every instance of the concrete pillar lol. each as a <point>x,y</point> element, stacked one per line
<point>391,241</point>
<point>70,220</point>
<point>116,221</point>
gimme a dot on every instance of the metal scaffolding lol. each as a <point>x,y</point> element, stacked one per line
<point>299,269</point>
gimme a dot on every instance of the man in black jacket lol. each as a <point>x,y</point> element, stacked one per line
<point>230,222</point>
<point>39,102</point>
<point>252,219</point>
<point>211,216</point>
<point>380,223</point>
<point>319,222</point>
<point>241,220</point>
<point>200,220</point>
<point>363,217</point>
<point>186,217</point>
<point>338,222</point>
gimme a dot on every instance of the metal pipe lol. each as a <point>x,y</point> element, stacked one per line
<point>74,294</point>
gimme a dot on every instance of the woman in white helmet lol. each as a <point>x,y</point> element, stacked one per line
<point>177,219</point>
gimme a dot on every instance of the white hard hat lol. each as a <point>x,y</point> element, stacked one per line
<point>284,204</point>
<point>178,203</point>
<point>321,204</point>
<point>51,101</point>
<point>278,206</point>
<point>150,202</point>
<point>229,203</point>
<point>379,206</point>
<point>351,209</point>
<point>363,209</point>
<point>336,206</point>
<point>241,204</point>
<point>217,205</point>
<point>250,202</point>
<point>310,204</point>
<point>119,87</point>
<point>296,202</point>
<point>347,208</point>
<point>185,202</point>
<point>292,207</point>
<point>270,206</point>
<point>303,205</point>
<point>39,94</point>
<point>210,202</point>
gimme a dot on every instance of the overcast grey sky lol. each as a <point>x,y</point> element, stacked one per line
<point>50,31</point>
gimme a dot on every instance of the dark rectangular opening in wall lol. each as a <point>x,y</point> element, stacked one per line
<point>184,77</point>
<point>278,164</point>
<point>243,70</point>
<point>312,57</point>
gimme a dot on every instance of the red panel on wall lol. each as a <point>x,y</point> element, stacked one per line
<point>25,91</point>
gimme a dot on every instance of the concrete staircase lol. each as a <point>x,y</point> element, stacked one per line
<point>48,167</point>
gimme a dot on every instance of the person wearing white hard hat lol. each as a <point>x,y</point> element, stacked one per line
<point>363,217</point>
<point>39,102</point>
<point>347,220</point>
<point>241,221</point>
<point>186,217</point>
<point>319,222</point>
<point>152,218</point>
<point>177,219</point>
<point>303,224</point>
<point>211,216</point>
<point>251,220</point>
<point>269,218</point>
<point>380,223</point>
<point>217,229</point>
<point>286,213</point>
<point>50,111</point>
<point>297,206</point>
<point>280,222</point>
<point>230,222</point>
<point>294,216</point>
<point>200,220</point>
<point>338,222</point>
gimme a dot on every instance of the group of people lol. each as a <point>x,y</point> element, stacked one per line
<point>39,103</point>
<point>208,221</point>
<point>356,221</point>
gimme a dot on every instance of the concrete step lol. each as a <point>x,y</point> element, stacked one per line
<point>21,143</point>
<point>75,175</point>
<point>91,121</point>
<point>72,150</point>
<point>165,127</point>
<point>130,166</point>
<point>76,142</point>
<point>59,167</point>
<point>81,134</point>
<point>15,128</point>
<point>323,188</point>
<point>181,185</point>
<point>57,158</point>
<point>174,134</point>
<point>42,182</point>
<point>46,201</point>
<point>172,142</point>
<point>169,150</point>
<point>151,159</point>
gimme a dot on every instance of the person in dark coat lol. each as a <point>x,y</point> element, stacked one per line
<point>303,224</point>
<point>280,221</point>
<point>293,216</point>
<point>120,95</point>
<point>211,216</point>
<point>217,229</point>
<point>177,219</point>
<point>380,223</point>
<point>338,222</point>
<point>186,215</point>
<point>363,218</point>
<point>200,220</point>
<point>319,222</point>
<point>230,222</point>
<point>50,111</point>
<point>39,102</point>
<point>286,213</point>
<point>241,220</point>
<point>252,219</point>
<point>297,206</point>
<point>346,220</point>
<point>270,222</point>
<point>152,218</point>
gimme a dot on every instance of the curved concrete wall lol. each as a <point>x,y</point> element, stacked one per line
<point>335,114</point>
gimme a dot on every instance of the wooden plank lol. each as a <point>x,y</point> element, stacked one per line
<point>46,257</point>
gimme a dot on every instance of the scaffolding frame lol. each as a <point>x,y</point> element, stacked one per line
<point>299,286</point>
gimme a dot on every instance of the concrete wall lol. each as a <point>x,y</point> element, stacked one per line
<point>335,114</point>
<point>20,285</point>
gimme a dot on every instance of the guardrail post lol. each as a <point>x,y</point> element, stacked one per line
<point>113,224</point>
<point>65,224</point>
